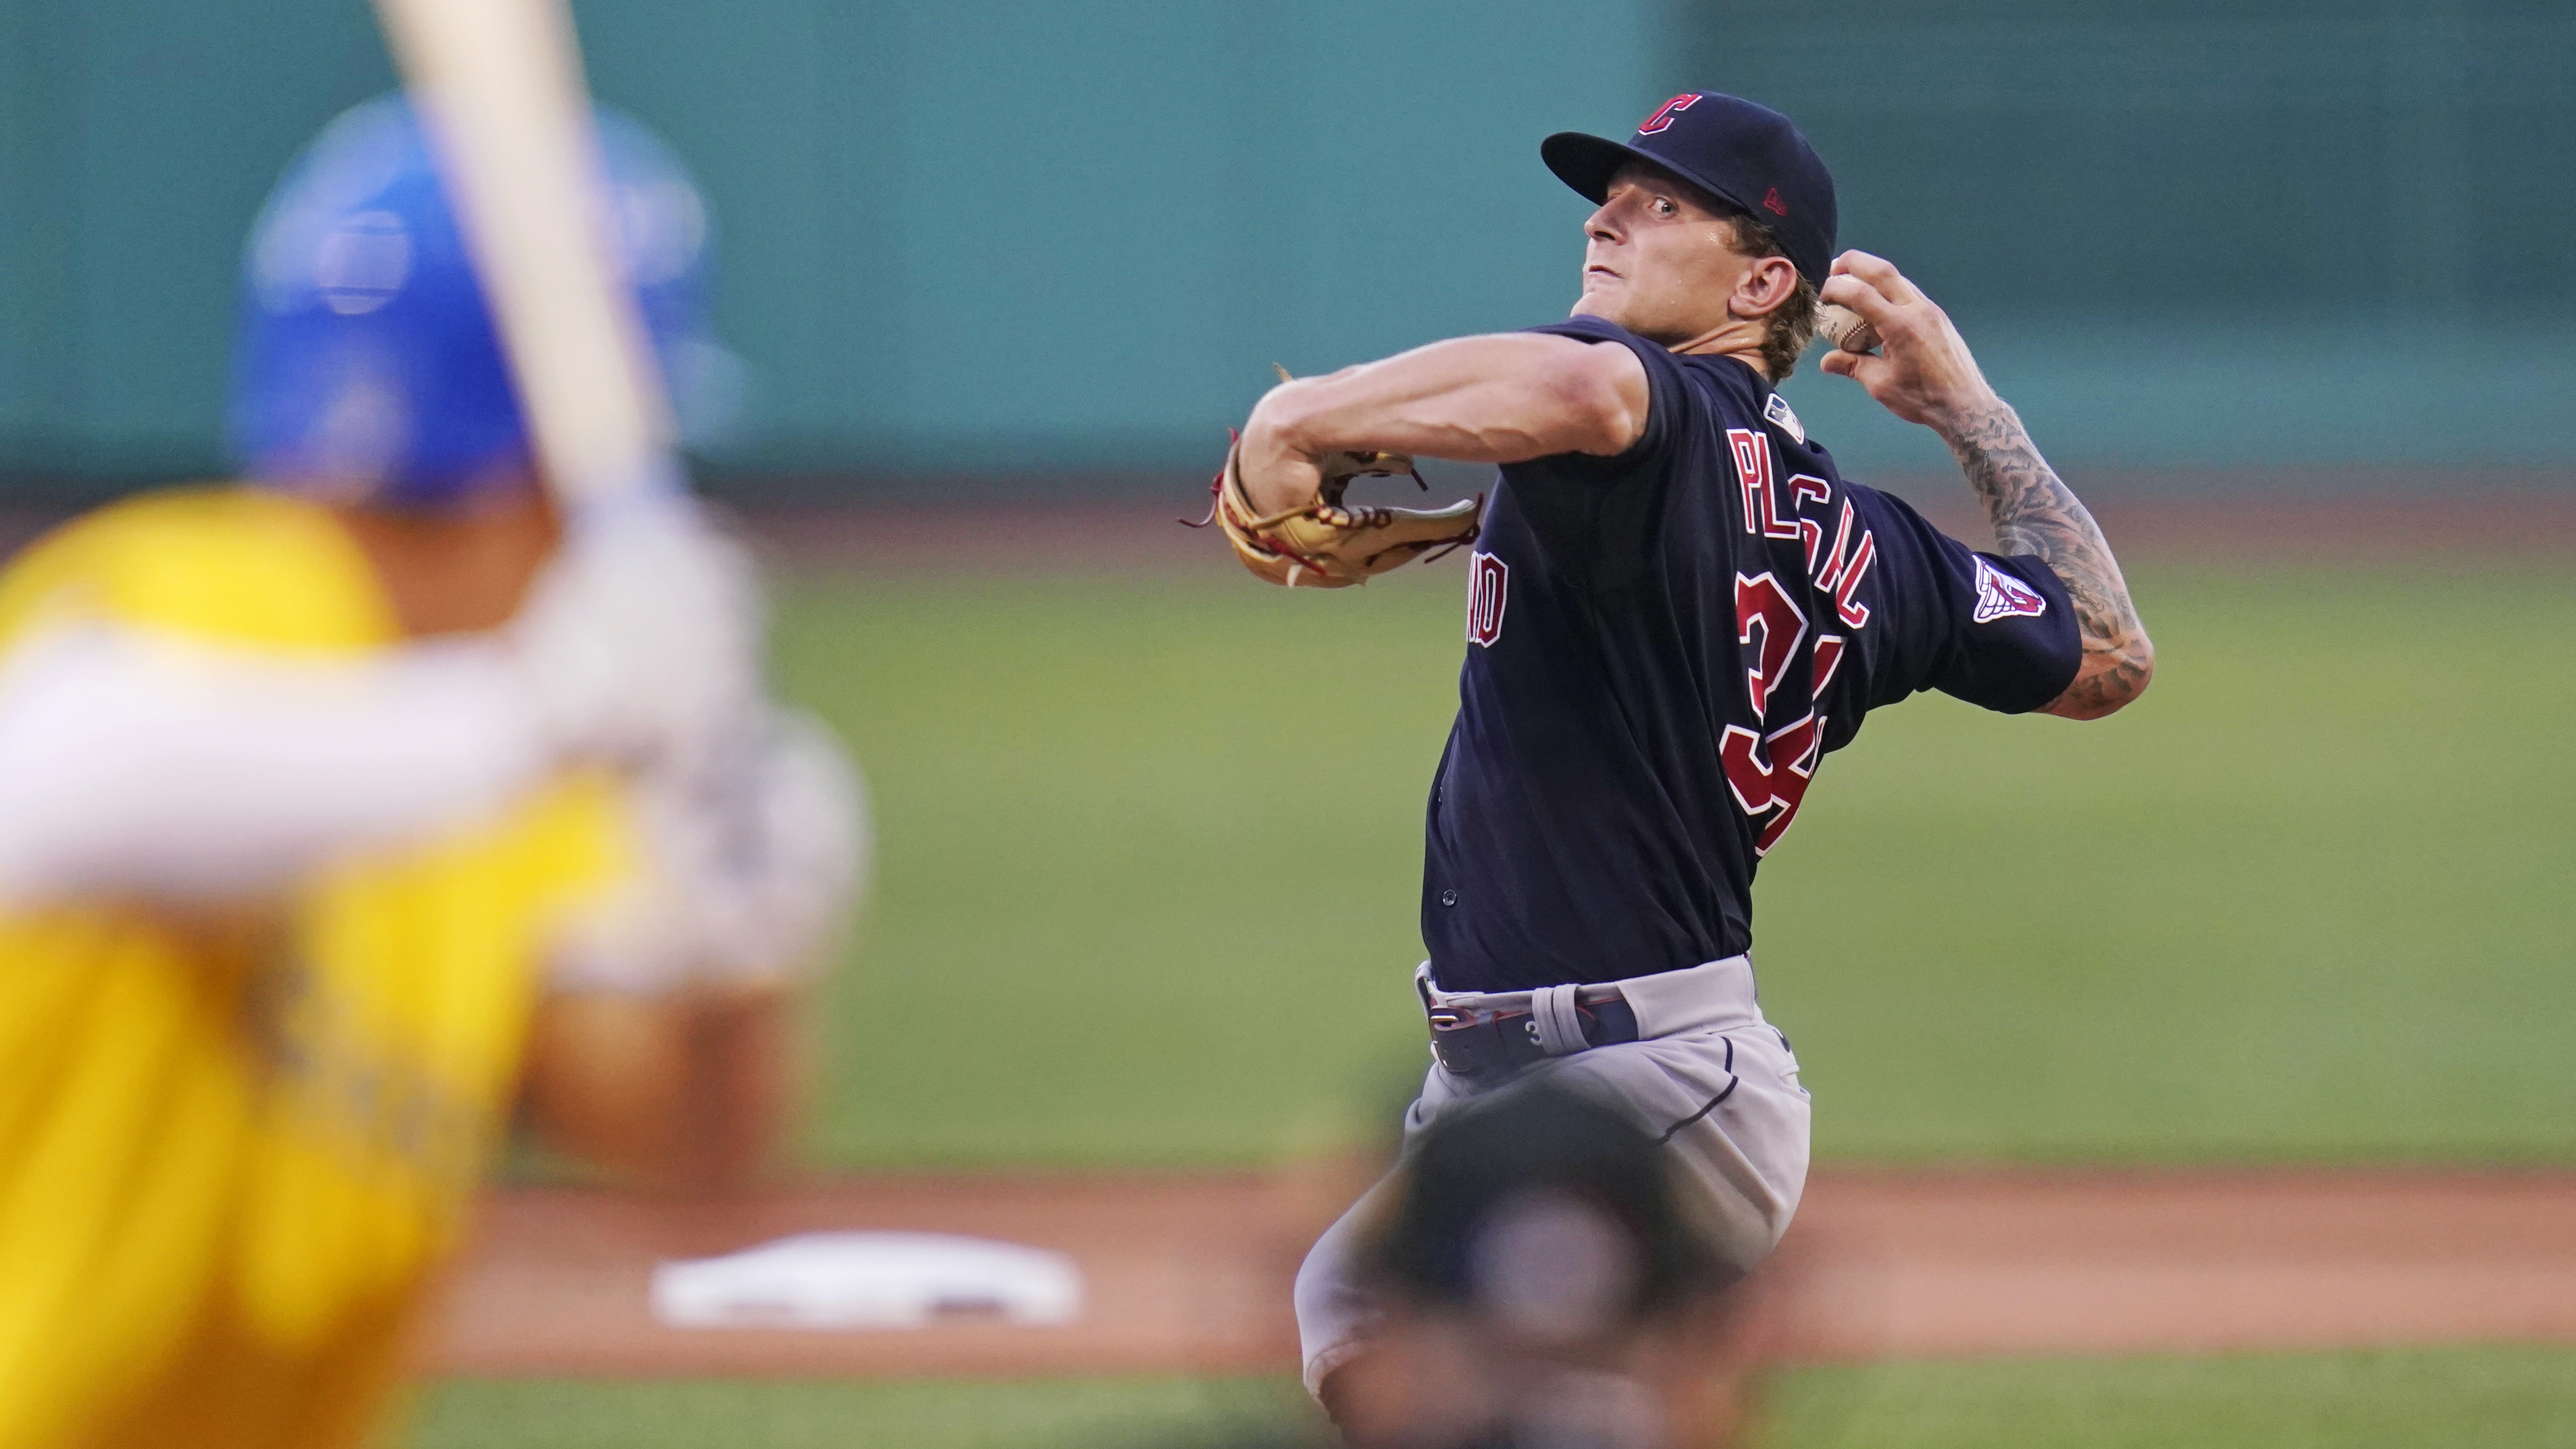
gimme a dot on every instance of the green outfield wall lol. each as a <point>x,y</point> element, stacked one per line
<point>1062,243</point>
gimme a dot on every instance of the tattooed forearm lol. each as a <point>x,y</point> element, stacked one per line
<point>2035,513</point>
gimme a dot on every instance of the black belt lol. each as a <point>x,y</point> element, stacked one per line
<point>1498,1043</point>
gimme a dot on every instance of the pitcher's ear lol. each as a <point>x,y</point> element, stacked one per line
<point>1765,288</point>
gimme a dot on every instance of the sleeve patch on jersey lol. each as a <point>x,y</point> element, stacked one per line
<point>2001,596</point>
<point>1776,412</point>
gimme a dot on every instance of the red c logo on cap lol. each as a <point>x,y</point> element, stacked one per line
<point>1772,203</point>
<point>1662,119</point>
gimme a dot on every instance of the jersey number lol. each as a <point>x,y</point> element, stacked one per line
<point>1768,769</point>
<point>1768,773</point>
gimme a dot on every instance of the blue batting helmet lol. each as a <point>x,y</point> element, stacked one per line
<point>367,360</point>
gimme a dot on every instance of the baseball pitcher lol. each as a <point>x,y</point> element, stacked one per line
<point>317,794</point>
<point>1676,608</point>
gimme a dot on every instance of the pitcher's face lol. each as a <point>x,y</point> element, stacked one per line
<point>1660,261</point>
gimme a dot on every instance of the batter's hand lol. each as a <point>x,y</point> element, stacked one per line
<point>1923,371</point>
<point>640,641</point>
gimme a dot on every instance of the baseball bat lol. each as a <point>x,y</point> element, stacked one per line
<point>498,86</point>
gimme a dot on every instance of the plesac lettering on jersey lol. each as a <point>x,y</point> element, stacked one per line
<point>2001,596</point>
<point>1845,565</point>
<point>1847,605</point>
<point>1753,473</point>
<point>1488,590</point>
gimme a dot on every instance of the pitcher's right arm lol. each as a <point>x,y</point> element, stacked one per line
<point>1926,375</point>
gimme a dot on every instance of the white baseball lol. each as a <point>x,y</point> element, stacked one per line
<point>1844,328</point>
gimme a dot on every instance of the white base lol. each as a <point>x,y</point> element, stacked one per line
<point>868,1280</point>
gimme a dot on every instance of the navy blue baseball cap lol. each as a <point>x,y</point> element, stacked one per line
<point>1749,156</point>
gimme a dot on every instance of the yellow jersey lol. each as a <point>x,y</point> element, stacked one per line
<point>236,1143</point>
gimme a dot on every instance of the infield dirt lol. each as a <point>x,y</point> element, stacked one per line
<point>1190,1273</point>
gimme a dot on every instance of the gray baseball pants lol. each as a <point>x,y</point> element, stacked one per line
<point>1707,1075</point>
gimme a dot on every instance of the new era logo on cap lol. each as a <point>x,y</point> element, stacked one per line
<point>2001,596</point>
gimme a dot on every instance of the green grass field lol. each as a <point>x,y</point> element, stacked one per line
<point>905,1414</point>
<point>1150,854</point>
<point>2493,1398</point>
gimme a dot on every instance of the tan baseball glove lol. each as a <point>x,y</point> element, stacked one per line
<point>1328,544</point>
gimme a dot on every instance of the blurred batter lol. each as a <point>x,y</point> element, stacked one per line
<point>313,790</point>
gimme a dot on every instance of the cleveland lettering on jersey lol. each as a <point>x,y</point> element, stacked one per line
<point>1489,582</point>
<point>1694,625</point>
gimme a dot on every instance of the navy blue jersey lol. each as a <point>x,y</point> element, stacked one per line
<point>1661,648</point>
